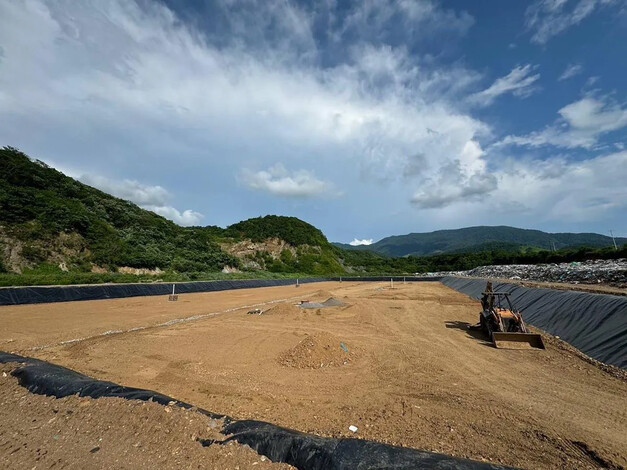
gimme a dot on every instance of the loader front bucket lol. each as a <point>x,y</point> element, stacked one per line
<point>517,341</point>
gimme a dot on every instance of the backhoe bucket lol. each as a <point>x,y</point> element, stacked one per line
<point>517,341</point>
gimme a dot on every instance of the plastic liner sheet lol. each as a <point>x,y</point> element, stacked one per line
<point>43,294</point>
<point>596,324</point>
<point>44,378</point>
<point>388,278</point>
<point>304,451</point>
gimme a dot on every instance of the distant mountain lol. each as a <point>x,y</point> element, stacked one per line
<point>473,239</point>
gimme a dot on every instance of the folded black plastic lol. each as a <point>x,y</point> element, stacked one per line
<point>304,451</point>
<point>44,378</point>
<point>596,324</point>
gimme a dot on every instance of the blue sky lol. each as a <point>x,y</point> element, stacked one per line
<point>366,119</point>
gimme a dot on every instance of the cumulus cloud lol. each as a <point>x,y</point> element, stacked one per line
<point>580,125</point>
<point>186,218</point>
<point>357,242</point>
<point>454,184</point>
<point>519,82</point>
<point>548,18</point>
<point>152,198</point>
<point>134,191</point>
<point>540,191</point>
<point>574,190</point>
<point>140,76</point>
<point>142,88</point>
<point>277,180</point>
<point>571,71</point>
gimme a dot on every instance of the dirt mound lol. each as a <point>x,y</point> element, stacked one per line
<point>318,350</point>
<point>322,295</point>
<point>282,309</point>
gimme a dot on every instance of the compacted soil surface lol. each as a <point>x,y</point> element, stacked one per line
<point>79,433</point>
<point>397,363</point>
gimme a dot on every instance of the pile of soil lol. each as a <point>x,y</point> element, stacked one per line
<point>73,432</point>
<point>322,295</point>
<point>284,308</point>
<point>316,351</point>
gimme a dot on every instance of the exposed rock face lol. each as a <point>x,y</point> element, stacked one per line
<point>254,255</point>
<point>273,246</point>
<point>137,271</point>
<point>230,269</point>
<point>61,250</point>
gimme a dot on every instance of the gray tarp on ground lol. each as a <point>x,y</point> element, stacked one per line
<point>596,324</point>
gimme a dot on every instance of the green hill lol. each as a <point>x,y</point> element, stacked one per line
<point>50,222</point>
<point>482,238</point>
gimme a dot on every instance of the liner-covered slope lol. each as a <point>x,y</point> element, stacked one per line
<point>596,324</point>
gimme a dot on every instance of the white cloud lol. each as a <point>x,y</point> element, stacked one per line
<point>548,18</point>
<point>581,124</point>
<point>520,82</point>
<point>186,218</point>
<point>533,192</point>
<point>357,242</point>
<point>130,190</point>
<point>152,198</point>
<point>571,71</point>
<point>136,72</point>
<point>132,86</point>
<point>401,20</point>
<point>277,180</point>
<point>570,190</point>
<point>454,184</point>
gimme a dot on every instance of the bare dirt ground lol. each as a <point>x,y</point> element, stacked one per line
<point>79,433</point>
<point>407,371</point>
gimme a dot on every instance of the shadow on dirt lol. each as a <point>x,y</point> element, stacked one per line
<point>476,334</point>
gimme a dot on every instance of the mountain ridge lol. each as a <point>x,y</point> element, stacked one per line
<point>481,237</point>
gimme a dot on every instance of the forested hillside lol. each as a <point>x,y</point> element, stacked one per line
<point>483,238</point>
<point>51,222</point>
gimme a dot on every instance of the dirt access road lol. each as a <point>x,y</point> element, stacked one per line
<point>406,372</point>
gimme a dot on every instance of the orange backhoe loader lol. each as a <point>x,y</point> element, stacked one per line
<point>503,323</point>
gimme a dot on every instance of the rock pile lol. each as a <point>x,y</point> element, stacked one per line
<point>318,350</point>
<point>608,272</point>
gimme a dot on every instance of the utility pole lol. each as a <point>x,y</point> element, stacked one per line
<point>613,240</point>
